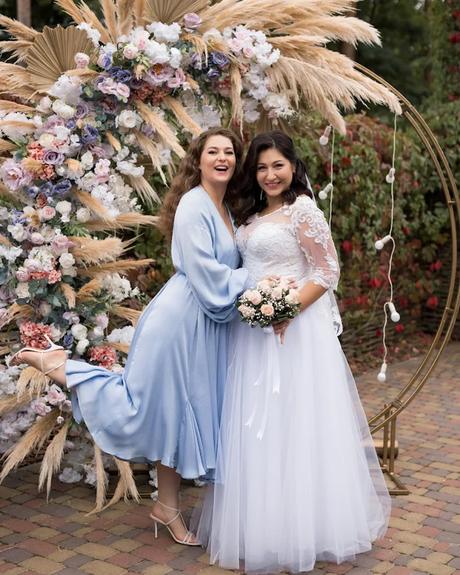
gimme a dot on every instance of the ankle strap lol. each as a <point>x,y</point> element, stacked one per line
<point>167,506</point>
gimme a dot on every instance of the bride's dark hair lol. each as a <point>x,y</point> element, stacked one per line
<point>250,200</point>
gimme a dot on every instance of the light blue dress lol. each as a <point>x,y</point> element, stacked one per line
<point>166,405</point>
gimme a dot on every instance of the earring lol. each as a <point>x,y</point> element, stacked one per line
<point>261,196</point>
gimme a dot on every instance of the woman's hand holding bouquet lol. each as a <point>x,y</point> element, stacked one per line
<point>272,302</point>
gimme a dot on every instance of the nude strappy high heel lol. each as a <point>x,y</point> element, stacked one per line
<point>15,360</point>
<point>187,539</point>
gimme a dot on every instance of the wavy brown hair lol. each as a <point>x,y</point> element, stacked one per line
<point>189,176</point>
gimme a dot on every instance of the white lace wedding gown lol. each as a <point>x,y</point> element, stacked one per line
<point>298,478</point>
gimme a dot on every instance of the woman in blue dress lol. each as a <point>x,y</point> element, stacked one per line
<point>166,405</point>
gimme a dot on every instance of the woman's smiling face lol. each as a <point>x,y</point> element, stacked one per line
<point>274,172</point>
<point>217,161</point>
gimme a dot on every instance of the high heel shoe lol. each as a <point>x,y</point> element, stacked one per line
<point>187,539</point>
<point>52,347</point>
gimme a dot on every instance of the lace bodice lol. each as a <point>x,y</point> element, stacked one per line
<point>292,241</point>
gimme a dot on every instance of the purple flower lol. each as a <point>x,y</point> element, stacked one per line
<point>123,76</point>
<point>81,110</point>
<point>191,21</point>
<point>213,74</point>
<point>70,124</point>
<point>89,135</point>
<point>219,59</point>
<point>47,189</point>
<point>68,340</point>
<point>33,191</point>
<point>53,158</point>
<point>114,70</point>
<point>62,187</point>
<point>105,61</point>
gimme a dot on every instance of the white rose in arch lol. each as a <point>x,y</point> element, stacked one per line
<point>79,331</point>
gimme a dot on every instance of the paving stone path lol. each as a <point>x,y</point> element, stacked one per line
<point>424,536</point>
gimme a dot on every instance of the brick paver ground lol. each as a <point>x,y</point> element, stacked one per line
<point>424,536</point>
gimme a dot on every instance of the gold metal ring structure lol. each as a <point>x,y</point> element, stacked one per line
<point>386,418</point>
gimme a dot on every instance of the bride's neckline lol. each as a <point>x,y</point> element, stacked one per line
<point>260,215</point>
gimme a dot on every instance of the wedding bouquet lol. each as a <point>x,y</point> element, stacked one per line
<point>271,301</point>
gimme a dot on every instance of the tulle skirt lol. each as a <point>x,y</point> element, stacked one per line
<point>298,479</point>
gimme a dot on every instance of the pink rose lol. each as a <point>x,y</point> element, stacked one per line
<point>37,239</point>
<point>130,51</point>
<point>253,296</point>
<point>47,213</point>
<point>292,297</point>
<point>102,168</point>
<point>22,275</point>
<point>277,293</point>
<point>55,395</point>
<point>246,311</point>
<point>191,21</point>
<point>13,175</point>
<point>267,309</point>
<point>123,91</point>
<point>41,408</point>
<point>248,52</point>
<point>60,245</point>
<point>81,59</point>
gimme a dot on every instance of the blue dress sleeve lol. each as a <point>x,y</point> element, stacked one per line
<point>215,284</point>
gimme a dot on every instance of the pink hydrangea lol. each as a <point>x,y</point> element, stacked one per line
<point>54,276</point>
<point>33,334</point>
<point>103,355</point>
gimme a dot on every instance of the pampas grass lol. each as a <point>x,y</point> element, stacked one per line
<point>69,294</point>
<point>90,290</point>
<point>51,461</point>
<point>126,486</point>
<point>132,315</point>
<point>93,205</point>
<point>31,382</point>
<point>34,438</point>
<point>101,481</point>
<point>120,266</point>
<point>144,190</point>
<point>12,403</point>
<point>123,222</point>
<point>162,128</point>
<point>182,116</point>
<point>91,251</point>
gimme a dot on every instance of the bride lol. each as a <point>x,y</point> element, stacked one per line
<point>298,479</point>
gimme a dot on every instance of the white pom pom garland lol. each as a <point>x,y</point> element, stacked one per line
<point>382,376</point>
<point>379,244</point>
<point>323,194</point>
<point>390,177</point>
<point>395,317</point>
<point>324,140</point>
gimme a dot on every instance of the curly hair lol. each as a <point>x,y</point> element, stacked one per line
<point>189,176</point>
<point>251,200</point>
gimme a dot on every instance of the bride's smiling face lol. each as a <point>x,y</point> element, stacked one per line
<point>274,172</point>
<point>217,161</point>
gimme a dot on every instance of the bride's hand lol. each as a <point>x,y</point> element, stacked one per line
<point>280,329</point>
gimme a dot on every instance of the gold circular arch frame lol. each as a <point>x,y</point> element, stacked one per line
<point>386,417</point>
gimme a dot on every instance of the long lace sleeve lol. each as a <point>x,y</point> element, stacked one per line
<point>315,240</point>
